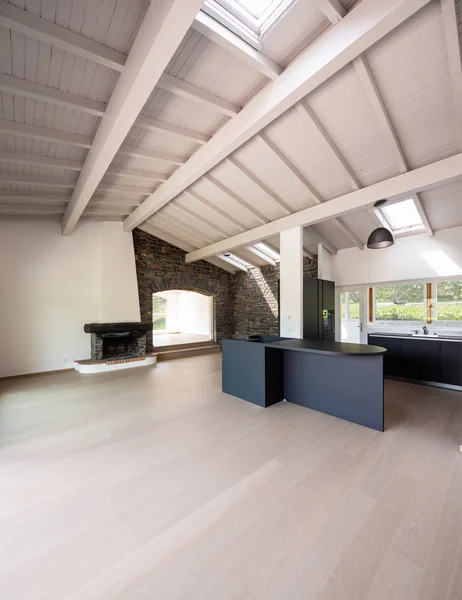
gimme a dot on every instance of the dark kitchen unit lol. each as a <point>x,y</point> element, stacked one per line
<point>423,359</point>
<point>342,380</point>
<point>318,309</point>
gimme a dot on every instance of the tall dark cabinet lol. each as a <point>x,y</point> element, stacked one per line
<point>318,309</point>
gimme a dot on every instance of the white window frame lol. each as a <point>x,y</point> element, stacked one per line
<point>402,231</point>
<point>233,15</point>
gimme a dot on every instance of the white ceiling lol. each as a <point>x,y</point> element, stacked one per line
<point>267,178</point>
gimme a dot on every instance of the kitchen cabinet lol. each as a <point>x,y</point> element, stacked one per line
<point>421,359</point>
<point>432,361</point>
<point>451,363</point>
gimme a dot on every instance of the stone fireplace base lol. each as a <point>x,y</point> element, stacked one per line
<point>116,346</point>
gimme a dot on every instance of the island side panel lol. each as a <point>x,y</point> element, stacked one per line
<point>252,373</point>
<point>348,387</point>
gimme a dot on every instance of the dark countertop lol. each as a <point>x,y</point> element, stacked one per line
<point>407,336</point>
<point>319,347</point>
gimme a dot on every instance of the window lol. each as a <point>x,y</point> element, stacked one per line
<point>401,217</point>
<point>249,19</point>
<point>448,305</point>
<point>400,302</point>
<point>267,251</point>
<point>159,313</point>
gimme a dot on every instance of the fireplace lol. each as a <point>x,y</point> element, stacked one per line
<point>110,341</point>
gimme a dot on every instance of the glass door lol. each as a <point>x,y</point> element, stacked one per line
<point>352,316</point>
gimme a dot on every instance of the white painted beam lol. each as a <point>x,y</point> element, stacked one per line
<point>216,209</point>
<point>333,9</point>
<point>191,92</point>
<point>165,127</point>
<point>150,228</point>
<point>222,36</point>
<point>136,174</point>
<point>312,237</point>
<point>313,195</point>
<point>451,32</point>
<point>43,133</point>
<point>180,216</point>
<point>30,25</point>
<point>258,182</point>
<point>14,197</point>
<point>197,217</point>
<point>401,186</point>
<point>375,100</point>
<point>225,189</point>
<point>40,161</point>
<point>189,229</point>
<point>164,26</point>
<point>37,91</point>
<point>369,22</point>
<point>116,188</point>
<point>378,107</point>
<point>32,208</point>
<point>33,180</point>
<point>317,129</point>
<point>148,154</point>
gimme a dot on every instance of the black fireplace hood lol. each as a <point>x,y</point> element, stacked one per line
<point>116,327</point>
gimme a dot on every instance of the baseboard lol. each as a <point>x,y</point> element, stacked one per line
<point>35,374</point>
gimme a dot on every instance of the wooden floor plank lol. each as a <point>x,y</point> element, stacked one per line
<point>152,483</point>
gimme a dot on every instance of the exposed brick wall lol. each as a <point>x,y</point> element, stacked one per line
<point>255,308</point>
<point>244,303</point>
<point>160,267</point>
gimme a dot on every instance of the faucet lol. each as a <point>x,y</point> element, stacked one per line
<point>425,330</point>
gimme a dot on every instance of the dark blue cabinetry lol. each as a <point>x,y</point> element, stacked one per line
<point>427,361</point>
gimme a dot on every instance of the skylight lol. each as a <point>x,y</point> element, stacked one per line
<point>249,19</point>
<point>255,7</point>
<point>236,261</point>
<point>269,252</point>
<point>402,216</point>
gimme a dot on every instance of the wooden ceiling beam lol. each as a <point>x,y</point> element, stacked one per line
<point>226,190</point>
<point>193,93</point>
<point>40,161</point>
<point>43,133</point>
<point>146,153</point>
<point>32,26</point>
<point>369,22</point>
<point>400,186</point>
<point>162,30</point>
<point>222,36</point>
<point>313,194</point>
<point>216,209</point>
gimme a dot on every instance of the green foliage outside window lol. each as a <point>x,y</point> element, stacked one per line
<point>400,302</point>
<point>159,313</point>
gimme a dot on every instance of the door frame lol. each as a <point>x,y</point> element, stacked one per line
<point>362,290</point>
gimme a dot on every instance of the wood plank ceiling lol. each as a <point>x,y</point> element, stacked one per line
<point>395,108</point>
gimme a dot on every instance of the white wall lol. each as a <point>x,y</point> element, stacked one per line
<point>291,282</point>
<point>195,313</point>
<point>413,257</point>
<point>324,263</point>
<point>51,285</point>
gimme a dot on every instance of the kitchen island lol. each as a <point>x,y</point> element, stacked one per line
<point>339,379</point>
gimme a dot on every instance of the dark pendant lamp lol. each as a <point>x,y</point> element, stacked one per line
<point>380,237</point>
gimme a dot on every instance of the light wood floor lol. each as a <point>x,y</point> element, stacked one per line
<point>152,484</point>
